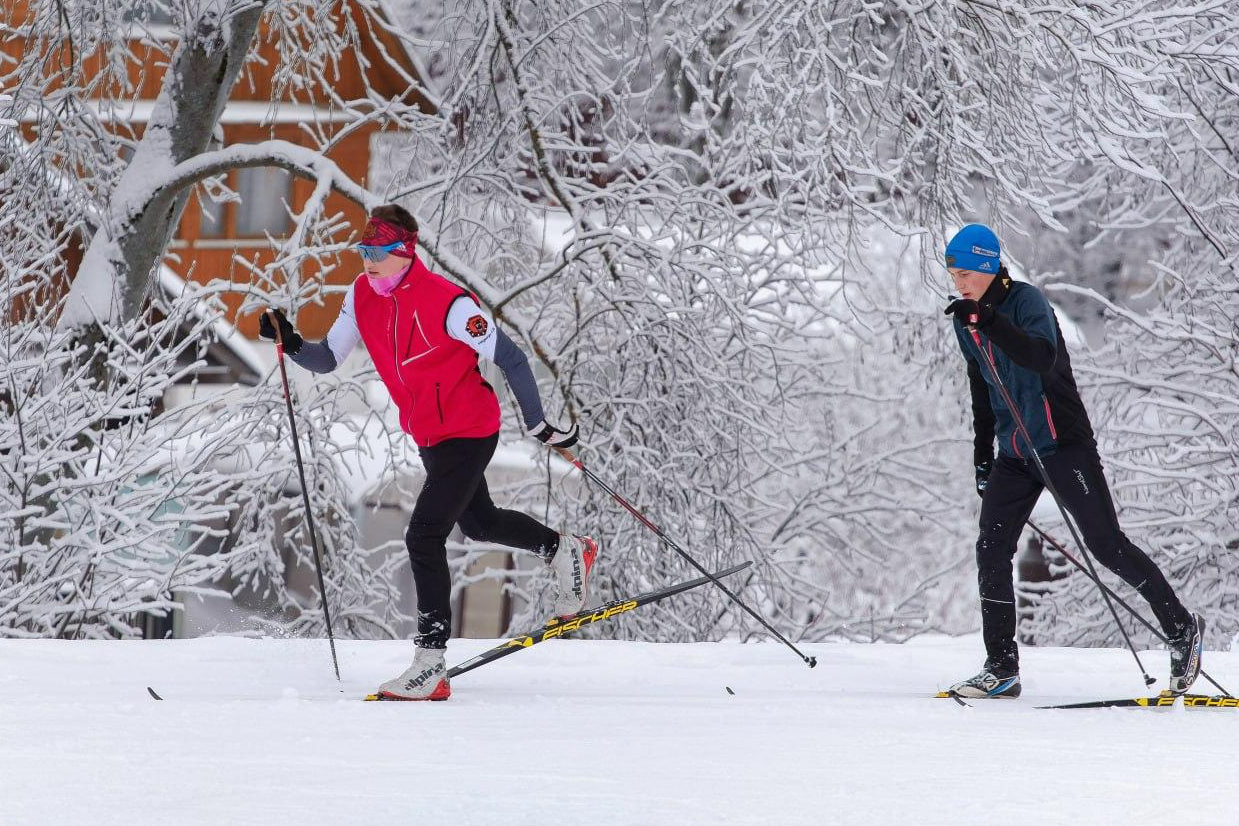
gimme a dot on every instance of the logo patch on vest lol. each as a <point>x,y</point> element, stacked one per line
<point>477,326</point>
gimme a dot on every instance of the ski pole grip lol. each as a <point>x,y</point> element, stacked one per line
<point>566,453</point>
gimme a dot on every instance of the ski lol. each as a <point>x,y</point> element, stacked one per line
<point>1126,702</point>
<point>563,626</point>
<point>951,695</point>
<point>1209,701</point>
<point>1164,700</point>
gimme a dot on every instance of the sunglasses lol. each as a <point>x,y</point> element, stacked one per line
<point>376,254</point>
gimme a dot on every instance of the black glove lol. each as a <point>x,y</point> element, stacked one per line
<point>266,330</point>
<point>553,436</point>
<point>965,310</point>
<point>983,472</point>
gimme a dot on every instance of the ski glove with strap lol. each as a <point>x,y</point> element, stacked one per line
<point>965,310</point>
<point>266,331</point>
<point>554,437</point>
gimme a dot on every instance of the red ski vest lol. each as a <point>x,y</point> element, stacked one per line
<point>433,378</point>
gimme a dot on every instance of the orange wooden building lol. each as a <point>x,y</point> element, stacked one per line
<point>211,236</point>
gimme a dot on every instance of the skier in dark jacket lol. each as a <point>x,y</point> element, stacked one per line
<point>1018,329</point>
<point>425,336</point>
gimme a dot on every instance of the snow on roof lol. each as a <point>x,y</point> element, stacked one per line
<point>241,111</point>
<point>7,123</point>
<point>357,444</point>
<point>225,332</point>
<point>362,466</point>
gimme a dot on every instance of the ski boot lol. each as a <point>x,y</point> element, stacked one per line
<point>991,683</point>
<point>1186,650</point>
<point>423,680</point>
<point>571,566</point>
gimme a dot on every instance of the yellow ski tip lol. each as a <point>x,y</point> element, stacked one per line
<point>942,695</point>
<point>370,698</point>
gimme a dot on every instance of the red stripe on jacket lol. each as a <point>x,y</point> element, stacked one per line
<point>1049,417</point>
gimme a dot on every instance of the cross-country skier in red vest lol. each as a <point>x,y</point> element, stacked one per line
<point>425,335</point>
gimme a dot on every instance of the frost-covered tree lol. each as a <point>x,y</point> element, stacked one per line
<point>110,503</point>
<point>1163,389</point>
<point>1165,398</point>
<point>756,152</point>
<point>716,225</point>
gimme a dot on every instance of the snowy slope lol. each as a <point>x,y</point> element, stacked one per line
<point>256,732</point>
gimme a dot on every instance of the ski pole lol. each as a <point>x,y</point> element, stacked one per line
<point>1156,632</point>
<point>1049,485</point>
<point>670,543</point>
<point>305,491</point>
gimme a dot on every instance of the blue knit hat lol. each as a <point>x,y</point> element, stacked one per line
<point>975,247</point>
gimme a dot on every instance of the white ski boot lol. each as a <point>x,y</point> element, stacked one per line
<point>991,683</point>
<point>425,679</point>
<point>571,566</point>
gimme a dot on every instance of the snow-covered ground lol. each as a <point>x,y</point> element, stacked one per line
<point>573,732</point>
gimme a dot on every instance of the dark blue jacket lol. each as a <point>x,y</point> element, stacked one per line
<point>1027,346</point>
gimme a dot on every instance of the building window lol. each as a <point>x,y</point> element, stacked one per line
<point>212,223</point>
<point>263,191</point>
<point>154,13</point>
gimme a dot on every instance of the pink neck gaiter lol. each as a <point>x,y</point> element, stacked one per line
<point>385,286</point>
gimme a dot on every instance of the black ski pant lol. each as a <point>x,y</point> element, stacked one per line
<point>455,492</point>
<point>1013,488</point>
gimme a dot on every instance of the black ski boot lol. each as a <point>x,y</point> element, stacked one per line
<point>1186,650</point>
<point>991,683</point>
